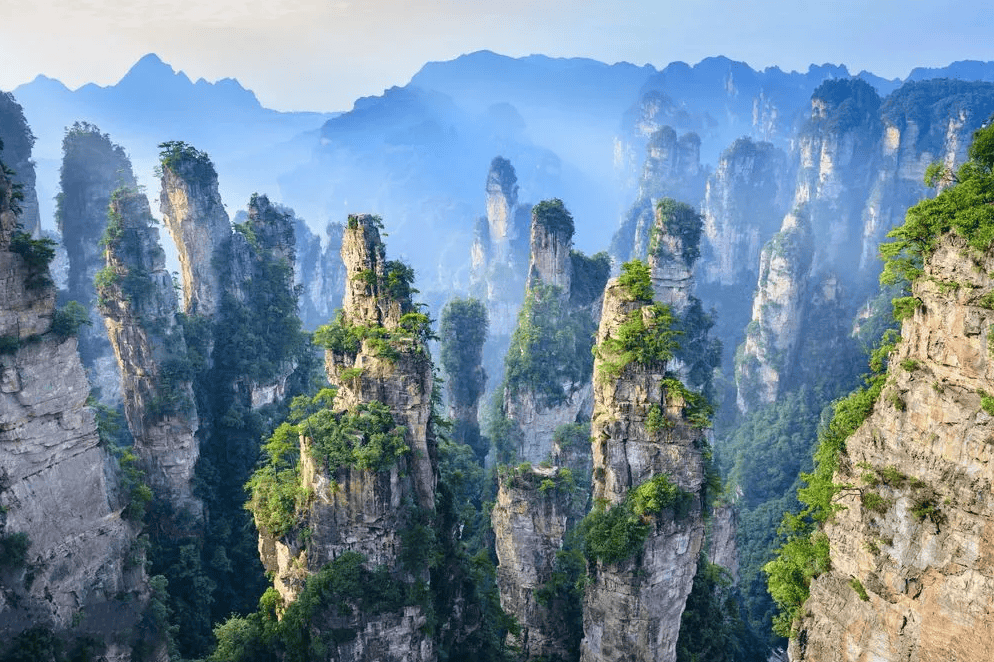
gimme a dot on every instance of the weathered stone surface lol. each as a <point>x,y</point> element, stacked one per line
<point>632,609</point>
<point>58,485</point>
<point>320,273</point>
<point>529,525</point>
<point>148,343</point>
<point>359,510</point>
<point>929,578</point>
<point>194,214</point>
<point>744,202</point>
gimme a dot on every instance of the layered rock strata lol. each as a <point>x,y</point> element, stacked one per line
<point>139,305</point>
<point>912,576</point>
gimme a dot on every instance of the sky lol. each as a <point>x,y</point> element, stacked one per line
<point>323,54</point>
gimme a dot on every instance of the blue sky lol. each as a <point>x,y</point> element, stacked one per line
<point>323,54</point>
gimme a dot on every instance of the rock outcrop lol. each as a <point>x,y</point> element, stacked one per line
<point>744,203</point>
<point>499,251</point>
<point>139,305</point>
<point>194,214</point>
<point>672,168</point>
<point>93,167</point>
<point>17,140</point>
<point>70,562</point>
<point>534,509</point>
<point>632,607</point>
<point>767,355</point>
<point>548,369</point>
<point>320,273</point>
<point>911,573</point>
<point>367,507</point>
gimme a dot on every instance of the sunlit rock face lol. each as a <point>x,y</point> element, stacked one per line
<point>922,555</point>
<point>632,608</point>
<point>195,217</point>
<point>139,309</point>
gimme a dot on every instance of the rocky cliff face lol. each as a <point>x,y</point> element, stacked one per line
<point>92,168</point>
<point>69,556</point>
<point>535,508</point>
<point>633,607</point>
<point>744,203</point>
<point>911,574</point>
<point>526,402</point>
<point>139,306</point>
<point>17,139</point>
<point>672,168</point>
<point>194,214</point>
<point>767,355</point>
<point>499,257</point>
<point>368,509</point>
<point>320,273</point>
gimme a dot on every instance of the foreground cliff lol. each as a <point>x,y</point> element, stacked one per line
<point>366,472</point>
<point>903,559</point>
<point>70,564</point>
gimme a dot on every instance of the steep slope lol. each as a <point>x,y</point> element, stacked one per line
<point>643,538</point>
<point>139,305</point>
<point>900,565</point>
<point>67,532</point>
<point>92,168</point>
<point>17,139</point>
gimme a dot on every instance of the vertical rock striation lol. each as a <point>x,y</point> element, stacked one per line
<point>632,607</point>
<point>93,167</point>
<point>139,306</point>
<point>744,203</point>
<point>377,361</point>
<point>766,357</point>
<point>320,273</point>
<point>672,168</point>
<point>69,556</point>
<point>194,214</point>
<point>17,139</point>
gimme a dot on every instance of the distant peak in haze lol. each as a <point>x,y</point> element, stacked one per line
<point>151,68</point>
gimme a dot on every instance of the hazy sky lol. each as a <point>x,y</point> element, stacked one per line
<point>323,54</point>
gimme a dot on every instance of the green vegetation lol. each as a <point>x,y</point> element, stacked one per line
<point>860,591</point>
<point>186,160</point>
<point>37,255</point>
<point>873,502</point>
<point>965,209</point>
<point>905,307</point>
<point>550,347</point>
<point>365,438</point>
<point>590,275</point>
<point>554,217</point>
<point>681,221</point>
<point>615,534</point>
<point>67,320</point>
<point>14,550</point>
<point>987,403</point>
<point>463,330</point>
<point>712,626</point>
<point>342,337</point>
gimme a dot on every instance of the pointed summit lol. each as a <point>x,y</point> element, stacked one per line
<point>151,70</point>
